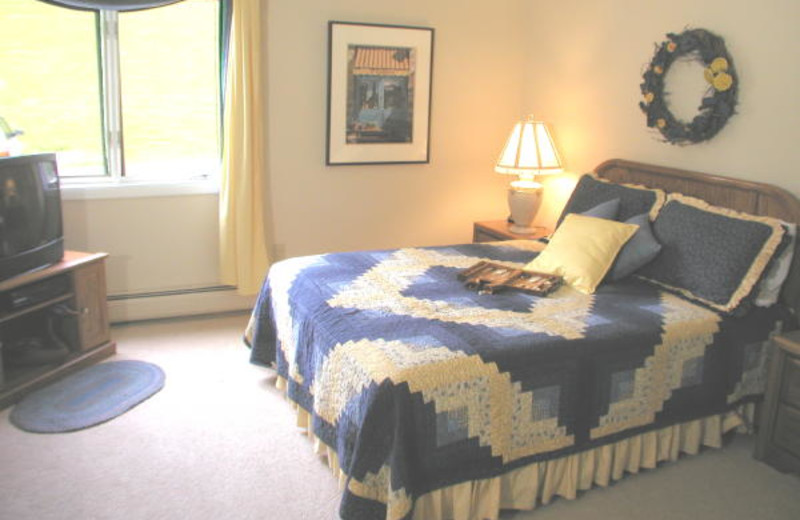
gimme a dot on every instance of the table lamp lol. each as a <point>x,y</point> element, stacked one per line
<point>529,151</point>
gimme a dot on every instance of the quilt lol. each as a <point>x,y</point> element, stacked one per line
<point>418,383</point>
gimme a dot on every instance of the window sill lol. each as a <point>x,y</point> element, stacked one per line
<point>142,189</point>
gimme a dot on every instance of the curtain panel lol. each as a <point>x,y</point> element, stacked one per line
<point>244,256</point>
<point>111,5</point>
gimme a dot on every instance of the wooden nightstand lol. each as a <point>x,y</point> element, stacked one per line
<point>779,434</point>
<point>493,230</point>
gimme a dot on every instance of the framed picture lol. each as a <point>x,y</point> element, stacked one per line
<point>379,93</point>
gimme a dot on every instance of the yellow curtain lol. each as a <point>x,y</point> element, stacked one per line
<point>244,256</point>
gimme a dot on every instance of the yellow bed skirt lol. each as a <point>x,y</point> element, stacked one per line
<point>538,483</point>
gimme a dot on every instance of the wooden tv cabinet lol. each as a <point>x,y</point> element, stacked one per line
<point>76,288</point>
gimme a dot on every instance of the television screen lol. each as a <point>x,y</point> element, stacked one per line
<point>30,214</point>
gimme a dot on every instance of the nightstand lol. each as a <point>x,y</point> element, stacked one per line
<point>493,230</point>
<point>779,435</point>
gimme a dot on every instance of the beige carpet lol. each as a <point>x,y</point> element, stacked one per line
<point>219,442</point>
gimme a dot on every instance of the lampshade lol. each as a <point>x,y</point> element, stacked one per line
<point>529,151</point>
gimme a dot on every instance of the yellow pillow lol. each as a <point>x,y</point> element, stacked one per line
<point>582,250</point>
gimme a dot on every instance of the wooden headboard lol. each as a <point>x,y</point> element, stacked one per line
<point>746,196</point>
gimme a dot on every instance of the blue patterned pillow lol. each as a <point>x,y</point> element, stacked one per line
<point>633,200</point>
<point>710,254</point>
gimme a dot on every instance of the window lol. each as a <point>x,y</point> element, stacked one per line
<point>129,95</point>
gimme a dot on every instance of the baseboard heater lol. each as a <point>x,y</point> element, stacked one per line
<point>173,292</point>
<point>176,302</point>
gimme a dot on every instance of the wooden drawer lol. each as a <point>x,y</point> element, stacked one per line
<point>779,436</point>
<point>790,388</point>
<point>787,429</point>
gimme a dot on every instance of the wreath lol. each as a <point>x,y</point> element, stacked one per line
<point>719,101</point>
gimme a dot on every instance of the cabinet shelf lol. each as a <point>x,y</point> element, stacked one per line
<point>86,332</point>
<point>33,308</point>
<point>20,381</point>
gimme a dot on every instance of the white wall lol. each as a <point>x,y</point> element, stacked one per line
<point>581,68</point>
<point>584,65</point>
<point>574,63</point>
<point>163,253</point>
<point>176,232</point>
<point>165,244</point>
<point>477,92</point>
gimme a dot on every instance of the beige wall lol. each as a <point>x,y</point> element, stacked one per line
<point>156,243</point>
<point>574,63</point>
<point>163,255</point>
<point>584,65</point>
<point>163,244</point>
<point>477,92</point>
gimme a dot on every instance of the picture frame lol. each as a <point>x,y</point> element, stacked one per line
<point>379,93</point>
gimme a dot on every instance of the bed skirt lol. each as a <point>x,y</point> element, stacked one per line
<point>538,483</point>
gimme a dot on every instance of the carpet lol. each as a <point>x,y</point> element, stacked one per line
<point>92,396</point>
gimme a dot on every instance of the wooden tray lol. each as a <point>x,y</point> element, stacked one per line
<point>489,277</point>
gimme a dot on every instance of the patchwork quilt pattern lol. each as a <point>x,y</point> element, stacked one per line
<point>419,383</point>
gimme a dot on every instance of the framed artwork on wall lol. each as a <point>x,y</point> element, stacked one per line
<point>379,93</point>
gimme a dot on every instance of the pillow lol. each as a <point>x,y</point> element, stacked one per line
<point>607,210</point>
<point>710,254</point>
<point>633,200</point>
<point>582,250</point>
<point>639,251</point>
<point>770,287</point>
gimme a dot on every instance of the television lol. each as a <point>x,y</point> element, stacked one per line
<point>31,235</point>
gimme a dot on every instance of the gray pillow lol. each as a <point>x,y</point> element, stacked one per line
<point>639,251</point>
<point>607,210</point>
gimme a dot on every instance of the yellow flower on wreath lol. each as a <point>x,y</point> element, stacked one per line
<point>715,75</point>
<point>671,46</point>
<point>658,69</point>
<point>719,65</point>
<point>661,122</point>
<point>649,97</point>
<point>722,82</point>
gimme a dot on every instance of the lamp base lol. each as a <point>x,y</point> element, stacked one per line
<point>523,203</point>
<point>523,230</point>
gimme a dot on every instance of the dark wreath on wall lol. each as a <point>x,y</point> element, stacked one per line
<point>716,107</point>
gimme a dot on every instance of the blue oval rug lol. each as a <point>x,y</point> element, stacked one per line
<point>89,397</point>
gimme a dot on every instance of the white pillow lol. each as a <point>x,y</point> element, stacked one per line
<point>770,287</point>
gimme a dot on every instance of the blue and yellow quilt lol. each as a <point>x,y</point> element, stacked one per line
<point>418,383</point>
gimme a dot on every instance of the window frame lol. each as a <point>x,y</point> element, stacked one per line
<point>113,183</point>
<point>78,188</point>
<point>111,78</point>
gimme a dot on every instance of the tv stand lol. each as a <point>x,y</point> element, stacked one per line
<point>67,301</point>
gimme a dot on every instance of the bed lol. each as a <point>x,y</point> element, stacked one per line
<point>432,401</point>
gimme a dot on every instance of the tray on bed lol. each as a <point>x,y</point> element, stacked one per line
<point>491,277</point>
